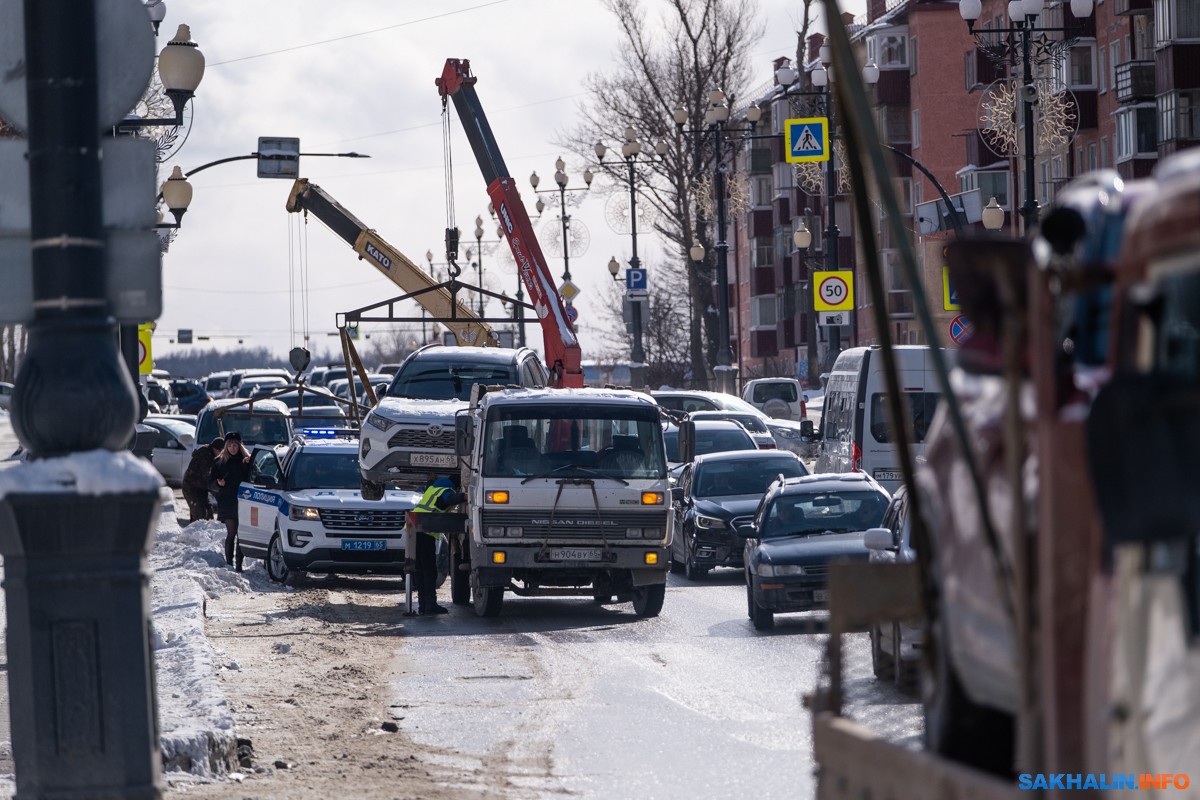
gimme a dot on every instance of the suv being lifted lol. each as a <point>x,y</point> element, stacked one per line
<point>409,435</point>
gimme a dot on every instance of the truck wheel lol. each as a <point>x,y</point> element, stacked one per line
<point>488,600</point>
<point>763,619</point>
<point>957,728</point>
<point>882,664</point>
<point>277,570</point>
<point>648,600</point>
<point>370,490</point>
<point>460,579</point>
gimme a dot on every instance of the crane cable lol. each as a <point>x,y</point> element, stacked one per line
<point>298,283</point>
<point>448,164</point>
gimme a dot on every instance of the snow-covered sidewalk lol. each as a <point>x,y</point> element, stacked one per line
<point>187,568</point>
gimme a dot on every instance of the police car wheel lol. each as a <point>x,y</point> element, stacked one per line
<point>277,570</point>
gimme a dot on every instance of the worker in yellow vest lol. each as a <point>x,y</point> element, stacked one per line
<point>442,495</point>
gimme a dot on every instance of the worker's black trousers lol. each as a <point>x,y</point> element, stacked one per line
<point>426,577</point>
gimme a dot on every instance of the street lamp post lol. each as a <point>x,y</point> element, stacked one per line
<point>716,123</point>
<point>1023,15</point>
<point>631,150</point>
<point>560,180</point>
<point>519,305</point>
<point>802,239</point>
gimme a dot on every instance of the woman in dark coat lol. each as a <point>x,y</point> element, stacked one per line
<point>228,471</point>
<point>196,478</point>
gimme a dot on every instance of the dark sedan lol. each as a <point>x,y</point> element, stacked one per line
<point>801,525</point>
<point>716,496</point>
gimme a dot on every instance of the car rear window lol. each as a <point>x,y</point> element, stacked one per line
<point>805,513</point>
<point>775,391</point>
<point>744,476</point>
<point>429,379</point>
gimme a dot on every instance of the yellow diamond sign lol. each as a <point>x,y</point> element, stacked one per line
<point>568,290</point>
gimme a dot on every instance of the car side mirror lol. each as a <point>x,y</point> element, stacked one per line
<point>464,436</point>
<point>747,532</point>
<point>807,429</point>
<point>677,494</point>
<point>879,539</point>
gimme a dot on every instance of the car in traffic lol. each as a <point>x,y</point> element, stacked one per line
<point>712,436</point>
<point>265,421</point>
<point>167,442</point>
<point>302,512</point>
<point>190,396</point>
<point>789,435</point>
<point>715,499</point>
<point>895,646</point>
<point>754,425</point>
<point>782,398</point>
<point>800,526</point>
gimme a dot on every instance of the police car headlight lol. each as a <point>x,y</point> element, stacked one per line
<point>379,422</point>
<point>304,513</point>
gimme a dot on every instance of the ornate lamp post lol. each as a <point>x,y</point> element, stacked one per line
<point>717,125</point>
<point>560,180</point>
<point>631,151</point>
<point>1020,43</point>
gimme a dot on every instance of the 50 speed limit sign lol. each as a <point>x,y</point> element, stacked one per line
<point>835,291</point>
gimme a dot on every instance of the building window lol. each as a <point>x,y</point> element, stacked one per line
<point>1114,61</point>
<point>916,127</point>
<point>784,176</point>
<point>1101,71</point>
<point>1076,70</point>
<point>760,191</point>
<point>904,195</point>
<point>1136,135</point>
<point>760,160</point>
<point>899,294</point>
<point>1093,162</point>
<point>1174,20</point>
<point>764,311</point>
<point>783,242</point>
<point>895,124</point>
<point>764,252</point>
<point>912,55</point>
<point>889,48</point>
<point>1043,189</point>
<point>1179,115</point>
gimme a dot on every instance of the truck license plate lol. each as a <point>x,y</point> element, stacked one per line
<point>431,460</point>
<point>575,554</point>
<point>888,475</point>
<point>364,544</point>
<point>821,596</point>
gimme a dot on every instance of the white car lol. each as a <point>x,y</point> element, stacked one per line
<point>303,512</point>
<point>779,398</point>
<point>168,442</point>
<point>896,646</point>
<point>788,435</point>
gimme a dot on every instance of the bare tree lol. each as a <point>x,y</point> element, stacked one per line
<point>663,327</point>
<point>390,345</point>
<point>695,46</point>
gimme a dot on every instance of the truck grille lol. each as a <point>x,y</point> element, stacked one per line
<point>419,438</point>
<point>336,519</point>
<point>575,524</point>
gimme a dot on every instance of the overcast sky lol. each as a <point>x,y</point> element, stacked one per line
<point>359,76</point>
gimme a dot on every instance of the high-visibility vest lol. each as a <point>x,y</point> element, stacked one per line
<point>428,504</point>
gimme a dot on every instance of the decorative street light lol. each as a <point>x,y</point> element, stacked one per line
<point>631,151</point>
<point>560,179</point>
<point>716,124</point>
<point>180,68</point>
<point>1019,43</point>
<point>993,216</point>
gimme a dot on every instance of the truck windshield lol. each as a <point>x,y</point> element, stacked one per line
<point>447,380</point>
<point>591,440</point>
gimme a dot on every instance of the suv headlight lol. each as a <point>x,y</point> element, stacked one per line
<point>380,422</point>
<point>779,570</point>
<point>309,513</point>
<point>710,523</point>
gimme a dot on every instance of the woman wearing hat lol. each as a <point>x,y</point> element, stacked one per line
<point>196,478</point>
<point>228,471</point>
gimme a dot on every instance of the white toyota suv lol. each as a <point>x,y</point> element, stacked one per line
<point>409,435</point>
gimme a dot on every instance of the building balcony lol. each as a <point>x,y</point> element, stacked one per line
<point>893,88</point>
<point>1135,81</point>
<point>1087,109</point>
<point>1128,8</point>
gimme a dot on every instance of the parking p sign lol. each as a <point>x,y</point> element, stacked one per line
<point>835,290</point>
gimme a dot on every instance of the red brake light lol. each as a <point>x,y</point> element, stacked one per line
<point>765,446</point>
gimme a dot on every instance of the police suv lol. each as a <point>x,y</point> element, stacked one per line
<point>302,511</point>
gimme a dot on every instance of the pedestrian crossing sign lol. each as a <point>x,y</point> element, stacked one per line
<point>807,139</point>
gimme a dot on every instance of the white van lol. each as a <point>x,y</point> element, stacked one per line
<point>855,435</point>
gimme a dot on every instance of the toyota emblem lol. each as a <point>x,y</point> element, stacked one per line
<point>434,430</point>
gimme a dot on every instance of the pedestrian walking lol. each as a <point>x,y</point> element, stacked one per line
<point>196,479</point>
<point>442,495</point>
<point>228,471</point>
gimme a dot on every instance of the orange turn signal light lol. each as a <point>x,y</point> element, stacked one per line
<point>500,496</point>
<point>652,498</point>
<point>651,558</point>
<point>499,557</point>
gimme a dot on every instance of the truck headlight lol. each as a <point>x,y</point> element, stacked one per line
<point>779,570</point>
<point>380,422</point>
<point>308,513</point>
<point>710,523</point>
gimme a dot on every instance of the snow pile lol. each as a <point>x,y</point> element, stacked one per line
<point>95,472</point>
